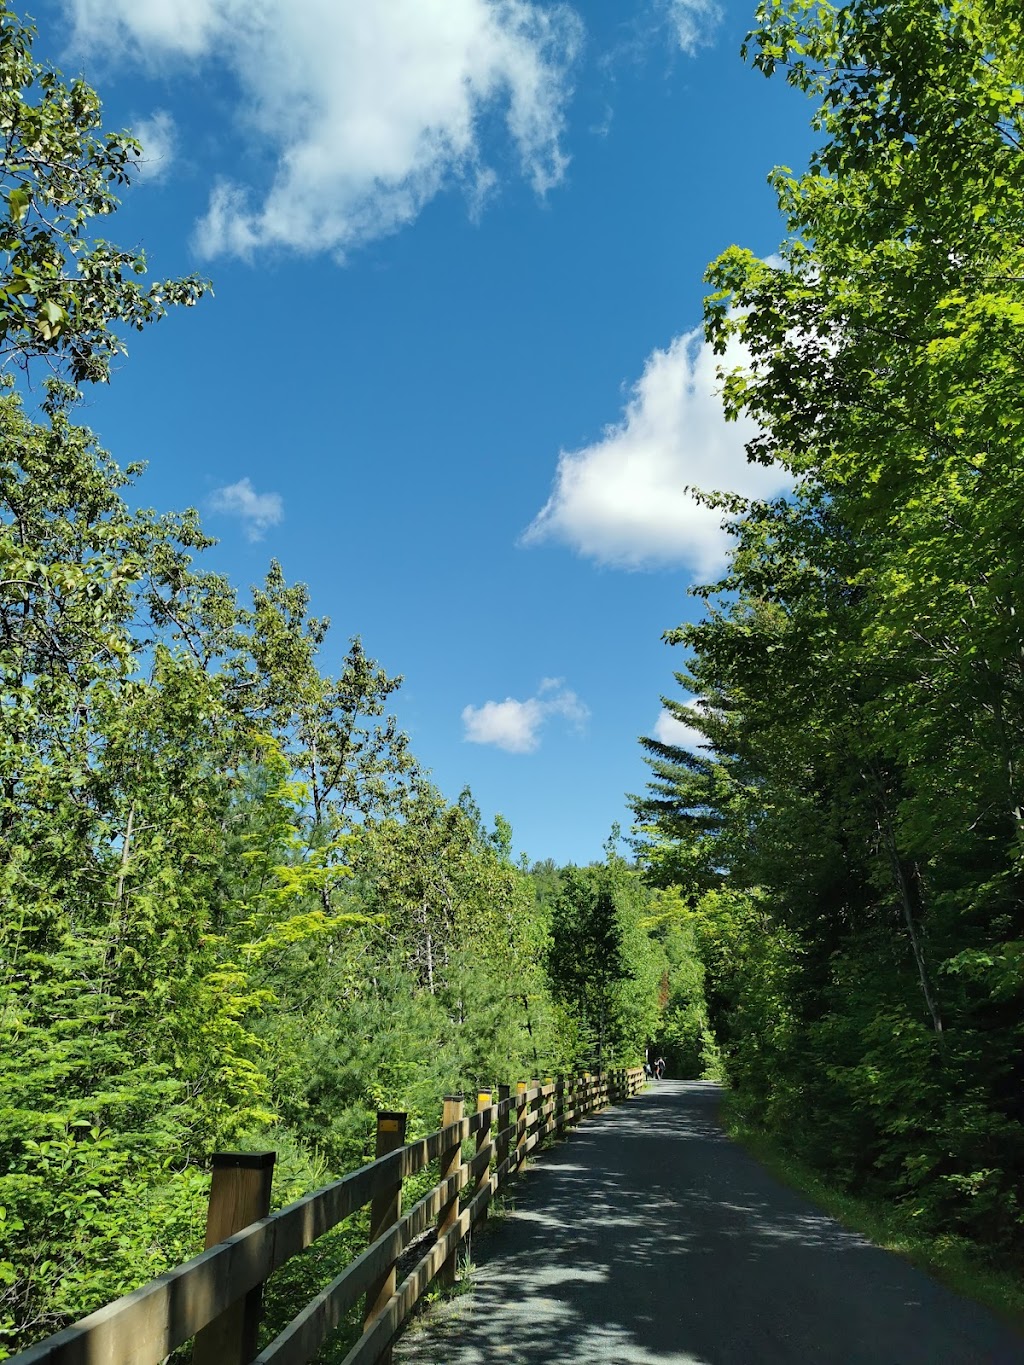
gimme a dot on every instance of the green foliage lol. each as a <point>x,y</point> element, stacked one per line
<point>860,665</point>
<point>685,1037</point>
<point>602,964</point>
<point>61,295</point>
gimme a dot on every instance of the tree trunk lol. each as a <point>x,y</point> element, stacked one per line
<point>903,887</point>
<point>430,951</point>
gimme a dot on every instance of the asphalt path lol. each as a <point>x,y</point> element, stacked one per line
<point>650,1237</point>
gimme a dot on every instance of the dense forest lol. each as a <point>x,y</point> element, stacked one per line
<point>849,834</point>
<point>237,912</point>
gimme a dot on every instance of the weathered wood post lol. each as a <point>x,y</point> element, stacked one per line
<point>450,1161</point>
<point>239,1195</point>
<point>544,1120</point>
<point>536,1105</point>
<point>560,1107</point>
<point>483,1140</point>
<point>385,1211</point>
<point>504,1094</point>
<point>522,1131</point>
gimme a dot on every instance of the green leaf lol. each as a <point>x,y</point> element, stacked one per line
<point>18,201</point>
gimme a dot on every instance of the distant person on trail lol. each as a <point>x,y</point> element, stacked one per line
<point>659,1068</point>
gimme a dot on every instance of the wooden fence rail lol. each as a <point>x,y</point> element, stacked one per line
<point>144,1327</point>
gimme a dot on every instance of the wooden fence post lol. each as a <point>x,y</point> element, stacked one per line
<point>504,1093</point>
<point>239,1195</point>
<point>483,1138</point>
<point>536,1106</point>
<point>560,1107</point>
<point>450,1161</point>
<point>521,1130</point>
<point>385,1211</point>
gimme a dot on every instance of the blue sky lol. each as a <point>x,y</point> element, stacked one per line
<point>451,376</point>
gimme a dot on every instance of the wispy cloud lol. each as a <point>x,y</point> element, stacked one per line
<point>693,22</point>
<point>626,500</point>
<point>515,725</point>
<point>256,511</point>
<point>159,138</point>
<point>370,110</point>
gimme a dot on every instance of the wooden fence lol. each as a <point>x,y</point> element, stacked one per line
<point>216,1296</point>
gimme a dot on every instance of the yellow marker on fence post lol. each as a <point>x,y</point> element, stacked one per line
<point>239,1195</point>
<point>483,1141</point>
<point>450,1161</point>
<point>385,1211</point>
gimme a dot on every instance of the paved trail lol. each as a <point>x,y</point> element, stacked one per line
<point>649,1237</point>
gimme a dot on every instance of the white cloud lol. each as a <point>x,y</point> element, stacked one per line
<point>515,725</point>
<point>508,724</point>
<point>159,139</point>
<point>257,511</point>
<point>625,500</point>
<point>693,22</point>
<point>672,731</point>
<point>184,26</point>
<point>370,109</point>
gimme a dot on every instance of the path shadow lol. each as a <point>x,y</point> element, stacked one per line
<point>649,1237</point>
